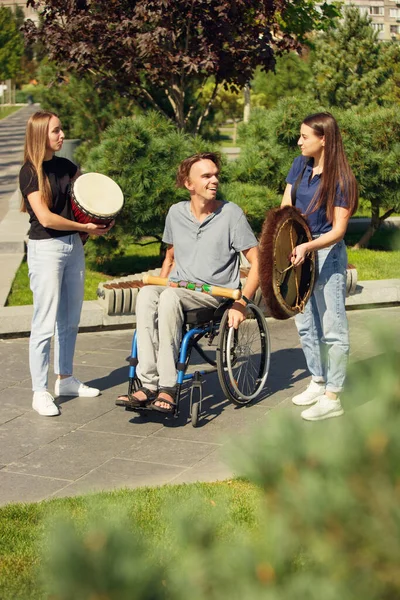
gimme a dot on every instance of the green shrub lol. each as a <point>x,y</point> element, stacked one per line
<point>142,155</point>
<point>328,524</point>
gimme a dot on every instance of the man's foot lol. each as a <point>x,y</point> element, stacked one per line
<point>310,394</point>
<point>165,401</point>
<point>324,408</point>
<point>139,399</point>
<point>43,403</point>
<point>70,386</point>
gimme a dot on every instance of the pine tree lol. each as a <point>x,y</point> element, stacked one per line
<point>349,66</point>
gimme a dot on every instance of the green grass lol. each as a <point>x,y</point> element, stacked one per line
<point>137,258</point>
<point>375,264</point>
<point>8,110</point>
<point>22,526</point>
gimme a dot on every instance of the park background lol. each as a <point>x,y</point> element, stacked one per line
<point>138,110</point>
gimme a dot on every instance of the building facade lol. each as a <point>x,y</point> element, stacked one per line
<point>30,13</point>
<point>385,15</point>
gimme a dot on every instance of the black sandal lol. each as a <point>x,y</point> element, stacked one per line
<point>132,402</point>
<point>171,403</point>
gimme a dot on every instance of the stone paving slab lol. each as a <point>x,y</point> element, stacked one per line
<point>94,445</point>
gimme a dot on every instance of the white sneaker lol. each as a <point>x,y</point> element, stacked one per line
<point>43,403</point>
<point>324,408</point>
<point>310,395</point>
<point>70,386</point>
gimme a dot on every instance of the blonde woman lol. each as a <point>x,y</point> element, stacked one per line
<point>55,260</point>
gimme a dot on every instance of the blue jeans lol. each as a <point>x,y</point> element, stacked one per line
<point>323,327</point>
<point>56,273</point>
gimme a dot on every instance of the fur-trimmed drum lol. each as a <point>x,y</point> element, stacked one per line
<point>285,288</point>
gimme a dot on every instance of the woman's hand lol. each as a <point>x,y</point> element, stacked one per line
<point>299,254</point>
<point>95,229</point>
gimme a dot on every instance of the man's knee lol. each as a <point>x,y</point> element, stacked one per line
<point>147,298</point>
<point>169,302</point>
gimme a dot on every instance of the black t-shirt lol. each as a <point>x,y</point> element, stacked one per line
<point>60,171</point>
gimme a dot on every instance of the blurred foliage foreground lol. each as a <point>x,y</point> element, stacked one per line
<point>325,524</point>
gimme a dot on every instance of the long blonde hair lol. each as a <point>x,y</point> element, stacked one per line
<point>37,130</point>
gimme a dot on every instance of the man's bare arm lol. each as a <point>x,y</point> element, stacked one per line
<point>168,262</point>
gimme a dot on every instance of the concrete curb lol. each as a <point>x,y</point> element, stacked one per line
<point>15,321</point>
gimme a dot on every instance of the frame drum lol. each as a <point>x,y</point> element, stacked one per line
<point>96,198</point>
<point>285,289</point>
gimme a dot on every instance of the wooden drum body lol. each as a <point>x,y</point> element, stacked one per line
<point>96,198</point>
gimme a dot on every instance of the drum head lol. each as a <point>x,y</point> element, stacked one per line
<point>98,195</point>
<point>285,288</point>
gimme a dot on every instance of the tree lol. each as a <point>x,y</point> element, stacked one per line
<point>291,77</point>
<point>142,155</point>
<point>163,52</point>
<point>11,45</point>
<point>85,110</point>
<point>350,65</point>
<point>269,145</point>
<point>371,141</point>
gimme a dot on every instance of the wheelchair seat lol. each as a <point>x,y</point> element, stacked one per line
<point>200,316</point>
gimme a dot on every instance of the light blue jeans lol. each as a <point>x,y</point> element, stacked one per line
<point>323,327</point>
<point>56,273</point>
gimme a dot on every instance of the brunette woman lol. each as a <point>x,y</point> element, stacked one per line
<point>322,186</point>
<point>55,260</point>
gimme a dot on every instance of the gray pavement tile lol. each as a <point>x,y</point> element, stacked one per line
<point>211,468</point>
<point>5,383</point>
<point>8,413</point>
<point>17,397</point>
<point>15,487</point>
<point>119,473</point>
<point>179,453</point>
<point>14,363</point>
<point>112,340</point>
<point>28,433</point>
<point>103,378</point>
<point>102,358</point>
<point>121,421</point>
<point>72,456</point>
<point>219,422</point>
<point>84,410</point>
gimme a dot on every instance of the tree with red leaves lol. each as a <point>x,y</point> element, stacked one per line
<point>162,52</point>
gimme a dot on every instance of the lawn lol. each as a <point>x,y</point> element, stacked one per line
<point>138,258</point>
<point>8,110</point>
<point>375,264</point>
<point>22,526</point>
<point>379,263</point>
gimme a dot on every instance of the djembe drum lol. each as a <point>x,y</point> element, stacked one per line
<point>95,198</point>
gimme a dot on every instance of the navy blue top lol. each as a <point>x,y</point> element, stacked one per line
<point>317,220</point>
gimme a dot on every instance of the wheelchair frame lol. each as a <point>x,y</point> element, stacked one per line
<point>228,354</point>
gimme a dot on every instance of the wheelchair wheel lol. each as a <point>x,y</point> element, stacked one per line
<point>243,356</point>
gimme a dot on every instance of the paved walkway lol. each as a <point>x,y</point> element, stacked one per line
<point>12,134</point>
<point>94,445</point>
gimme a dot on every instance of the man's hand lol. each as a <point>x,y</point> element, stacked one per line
<point>236,314</point>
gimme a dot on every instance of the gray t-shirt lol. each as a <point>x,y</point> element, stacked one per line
<point>208,252</point>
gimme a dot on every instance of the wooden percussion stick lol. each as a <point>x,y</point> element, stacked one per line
<point>213,290</point>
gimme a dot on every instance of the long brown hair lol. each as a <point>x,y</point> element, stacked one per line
<point>36,136</point>
<point>336,168</point>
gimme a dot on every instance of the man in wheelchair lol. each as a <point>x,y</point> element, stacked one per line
<point>204,238</point>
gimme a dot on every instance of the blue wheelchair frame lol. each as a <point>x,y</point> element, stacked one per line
<point>210,322</point>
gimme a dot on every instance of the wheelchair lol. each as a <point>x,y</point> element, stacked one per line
<point>242,357</point>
